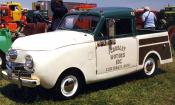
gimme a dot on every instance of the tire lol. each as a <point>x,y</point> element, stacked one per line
<point>150,67</point>
<point>2,58</point>
<point>68,86</point>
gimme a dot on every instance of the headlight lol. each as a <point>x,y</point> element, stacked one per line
<point>11,55</point>
<point>29,63</point>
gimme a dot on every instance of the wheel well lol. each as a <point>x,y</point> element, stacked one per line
<point>74,70</point>
<point>153,56</point>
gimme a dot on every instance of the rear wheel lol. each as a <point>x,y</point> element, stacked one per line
<point>150,66</point>
<point>68,85</point>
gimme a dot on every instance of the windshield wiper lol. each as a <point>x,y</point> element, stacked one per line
<point>62,28</point>
<point>84,30</point>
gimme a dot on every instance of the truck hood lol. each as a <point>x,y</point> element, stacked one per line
<point>51,40</point>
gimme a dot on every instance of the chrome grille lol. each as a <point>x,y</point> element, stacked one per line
<point>22,73</point>
<point>18,69</point>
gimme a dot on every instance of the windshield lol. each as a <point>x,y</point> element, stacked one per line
<point>83,23</point>
<point>3,12</point>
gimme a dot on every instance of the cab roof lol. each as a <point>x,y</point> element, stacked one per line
<point>109,12</point>
<point>114,11</point>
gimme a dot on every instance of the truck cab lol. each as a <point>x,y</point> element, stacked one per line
<point>169,13</point>
<point>16,10</point>
<point>108,46</point>
<point>169,16</point>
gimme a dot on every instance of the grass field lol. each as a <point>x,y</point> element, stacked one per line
<point>132,89</point>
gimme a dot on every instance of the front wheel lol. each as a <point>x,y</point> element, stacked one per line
<point>150,67</point>
<point>2,60</point>
<point>68,86</point>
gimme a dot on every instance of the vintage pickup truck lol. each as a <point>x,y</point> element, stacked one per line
<point>87,47</point>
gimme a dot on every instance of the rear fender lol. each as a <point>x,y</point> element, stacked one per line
<point>152,53</point>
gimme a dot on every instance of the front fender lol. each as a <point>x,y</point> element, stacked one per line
<point>49,65</point>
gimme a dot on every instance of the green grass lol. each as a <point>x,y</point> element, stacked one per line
<point>128,90</point>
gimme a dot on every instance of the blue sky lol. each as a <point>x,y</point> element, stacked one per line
<point>154,4</point>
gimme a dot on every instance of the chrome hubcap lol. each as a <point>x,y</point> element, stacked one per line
<point>69,86</point>
<point>149,66</point>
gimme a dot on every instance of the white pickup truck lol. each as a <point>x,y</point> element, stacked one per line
<point>87,47</point>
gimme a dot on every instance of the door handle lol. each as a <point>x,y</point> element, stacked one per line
<point>111,42</point>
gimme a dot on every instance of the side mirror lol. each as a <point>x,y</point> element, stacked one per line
<point>111,42</point>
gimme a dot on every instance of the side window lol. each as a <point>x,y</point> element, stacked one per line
<point>111,28</point>
<point>103,34</point>
<point>107,30</point>
<point>115,28</point>
<point>123,27</point>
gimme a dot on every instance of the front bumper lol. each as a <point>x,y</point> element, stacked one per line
<point>21,81</point>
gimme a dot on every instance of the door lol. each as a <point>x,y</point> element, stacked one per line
<point>116,47</point>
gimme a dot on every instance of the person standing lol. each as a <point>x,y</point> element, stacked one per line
<point>37,17</point>
<point>149,19</point>
<point>58,10</point>
<point>41,23</point>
